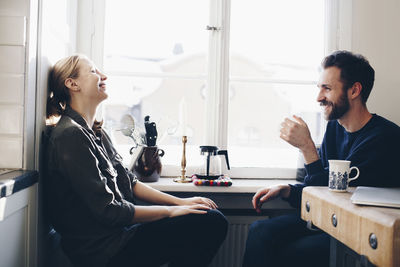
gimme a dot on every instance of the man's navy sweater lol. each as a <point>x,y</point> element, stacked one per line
<point>374,149</point>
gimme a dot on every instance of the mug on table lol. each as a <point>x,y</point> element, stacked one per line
<point>339,175</point>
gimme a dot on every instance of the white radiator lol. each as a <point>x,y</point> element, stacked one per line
<point>232,250</point>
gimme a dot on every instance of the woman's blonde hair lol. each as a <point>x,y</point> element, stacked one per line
<point>59,96</point>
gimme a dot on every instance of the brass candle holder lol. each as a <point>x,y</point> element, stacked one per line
<point>183,178</point>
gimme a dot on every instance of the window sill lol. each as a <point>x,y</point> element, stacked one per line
<point>243,186</point>
<point>13,181</point>
<point>235,199</point>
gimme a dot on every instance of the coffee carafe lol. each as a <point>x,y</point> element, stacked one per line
<point>211,167</point>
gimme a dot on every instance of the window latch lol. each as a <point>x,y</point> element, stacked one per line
<point>212,28</point>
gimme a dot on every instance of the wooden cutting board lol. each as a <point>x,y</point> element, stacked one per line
<point>370,231</point>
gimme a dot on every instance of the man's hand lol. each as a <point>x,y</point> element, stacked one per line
<point>268,193</point>
<point>297,134</point>
<point>198,200</point>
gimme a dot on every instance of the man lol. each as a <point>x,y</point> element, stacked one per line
<point>369,141</point>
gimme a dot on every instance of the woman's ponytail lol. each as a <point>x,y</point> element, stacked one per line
<point>58,96</point>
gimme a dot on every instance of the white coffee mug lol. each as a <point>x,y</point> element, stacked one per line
<point>339,172</point>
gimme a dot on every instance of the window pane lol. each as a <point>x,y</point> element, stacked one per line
<point>141,35</point>
<point>254,130</point>
<point>277,38</point>
<point>161,99</point>
<point>273,40</point>
<point>155,55</point>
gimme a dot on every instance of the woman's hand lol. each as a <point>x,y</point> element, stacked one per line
<point>183,210</point>
<point>198,200</point>
<point>268,193</point>
<point>149,194</point>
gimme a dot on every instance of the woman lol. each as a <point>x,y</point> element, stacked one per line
<point>91,195</point>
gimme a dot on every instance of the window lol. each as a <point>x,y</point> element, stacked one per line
<point>232,84</point>
<point>155,55</point>
<point>275,50</point>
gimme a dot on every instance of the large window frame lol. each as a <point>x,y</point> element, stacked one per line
<point>338,25</point>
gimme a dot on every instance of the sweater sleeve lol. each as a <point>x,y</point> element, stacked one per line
<point>316,176</point>
<point>294,198</point>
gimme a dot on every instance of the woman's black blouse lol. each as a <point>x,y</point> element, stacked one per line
<point>89,192</point>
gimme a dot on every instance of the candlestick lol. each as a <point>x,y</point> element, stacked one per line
<point>183,178</point>
<point>182,116</point>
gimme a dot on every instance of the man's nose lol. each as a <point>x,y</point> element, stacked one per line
<point>320,96</point>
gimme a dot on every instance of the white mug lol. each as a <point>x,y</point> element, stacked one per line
<point>339,172</point>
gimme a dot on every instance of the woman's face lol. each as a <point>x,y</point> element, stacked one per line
<point>91,81</point>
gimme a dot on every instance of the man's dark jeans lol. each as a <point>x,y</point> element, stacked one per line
<point>285,241</point>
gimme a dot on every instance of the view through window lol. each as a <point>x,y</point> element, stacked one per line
<point>156,54</point>
<point>275,50</point>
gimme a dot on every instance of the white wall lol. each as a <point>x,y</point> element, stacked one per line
<point>18,25</point>
<point>376,34</point>
<point>12,46</point>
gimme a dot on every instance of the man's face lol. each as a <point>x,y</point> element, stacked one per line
<point>331,94</point>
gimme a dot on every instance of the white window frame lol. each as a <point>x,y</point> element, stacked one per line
<point>68,36</point>
<point>338,26</point>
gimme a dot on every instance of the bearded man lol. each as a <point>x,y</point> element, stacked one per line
<point>369,141</point>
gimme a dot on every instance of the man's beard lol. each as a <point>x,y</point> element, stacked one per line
<point>338,109</point>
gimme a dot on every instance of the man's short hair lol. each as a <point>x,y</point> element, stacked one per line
<point>353,68</point>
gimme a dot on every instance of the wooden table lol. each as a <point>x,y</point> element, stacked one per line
<point>372,232</point>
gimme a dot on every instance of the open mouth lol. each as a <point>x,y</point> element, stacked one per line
<point>326,105</point>
<point>102,86</point>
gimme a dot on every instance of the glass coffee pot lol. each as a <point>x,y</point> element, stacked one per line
<point>211,167</point>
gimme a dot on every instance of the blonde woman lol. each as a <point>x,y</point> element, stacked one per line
<point>92,196</point>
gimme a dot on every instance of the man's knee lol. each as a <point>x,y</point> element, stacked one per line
<point>256,227</point>
<point>270,230</point>
<point>262,228</point>
<point>260,235</point>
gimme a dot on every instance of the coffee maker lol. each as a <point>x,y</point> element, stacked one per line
<point>211,168</point>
